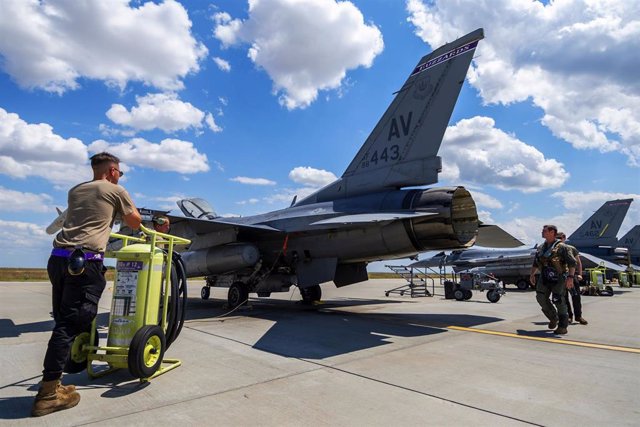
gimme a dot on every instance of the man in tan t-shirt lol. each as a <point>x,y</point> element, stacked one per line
<point>92,209</point>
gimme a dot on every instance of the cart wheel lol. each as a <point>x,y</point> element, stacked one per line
<point>77,361</point>
<point>459,294</point>
<point>467,294</point>
<point>146,351</point>
<point>522,284</point>
<point>609,290</point>
<point>386,294</point>
<point>238,294</point>
<point>205,292</point>
<point>493,296</point>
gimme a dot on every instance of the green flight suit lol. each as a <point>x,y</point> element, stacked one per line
<point>556,257</point>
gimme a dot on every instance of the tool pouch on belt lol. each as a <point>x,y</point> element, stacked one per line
<point>550,275</point>
<point>77,262</point>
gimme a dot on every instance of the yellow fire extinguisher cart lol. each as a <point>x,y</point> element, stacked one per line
<point>140,319</point>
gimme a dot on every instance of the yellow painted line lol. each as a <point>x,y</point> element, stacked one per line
<point>603,230</point>
<point>551,340</point>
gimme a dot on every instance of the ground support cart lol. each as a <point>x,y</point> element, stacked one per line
<point>146,310</point>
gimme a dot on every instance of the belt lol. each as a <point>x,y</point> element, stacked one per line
<point>88,256</point>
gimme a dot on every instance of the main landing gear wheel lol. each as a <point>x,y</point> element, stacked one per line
<point>467,294</point>
<point>77,361</point>
<point>522,284</point>
<point>459,294</point>
<point>311,294</point>
<point>205,292</point>
<point>238,294</point>
<point>493,296</point>
<point>146,351</point>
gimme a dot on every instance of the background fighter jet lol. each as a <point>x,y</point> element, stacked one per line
<point>363,216</point>
<point>595,239</point>
<point>631,241</point>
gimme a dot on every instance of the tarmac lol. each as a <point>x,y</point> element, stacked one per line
<point>358,359</point>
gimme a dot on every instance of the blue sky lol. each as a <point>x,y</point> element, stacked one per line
<point>247,104</point>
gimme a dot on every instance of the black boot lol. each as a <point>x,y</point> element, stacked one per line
<point>562,325</point>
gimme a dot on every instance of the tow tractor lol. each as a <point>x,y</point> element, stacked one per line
<point>481,281</point>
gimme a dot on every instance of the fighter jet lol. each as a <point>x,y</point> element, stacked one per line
<point>596,236</point>
<point>631,241</point>
<point>365,215</point>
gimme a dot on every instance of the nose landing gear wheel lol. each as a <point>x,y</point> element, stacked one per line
<point>146,351</point>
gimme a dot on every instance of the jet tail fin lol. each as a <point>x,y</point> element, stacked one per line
<point>602,227</point>
<point>631,240</point>
<point>402,149</point>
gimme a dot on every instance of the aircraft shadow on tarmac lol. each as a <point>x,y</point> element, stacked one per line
<point>330,329</point>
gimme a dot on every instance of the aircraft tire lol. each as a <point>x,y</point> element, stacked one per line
<point>522,284</point>
<point>205,292</point>
<point>238,294</point>
<point>311,294</point>
<point>493,296</point>
<point>459,294</point>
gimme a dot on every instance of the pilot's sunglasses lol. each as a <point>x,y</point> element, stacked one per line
<point>119,171</point>
<point>160,221</point>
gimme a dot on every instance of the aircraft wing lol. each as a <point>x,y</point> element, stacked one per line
<point>590,261</point>
<point>492,236</point>
<point>371,217</point>
<point>203,226</point>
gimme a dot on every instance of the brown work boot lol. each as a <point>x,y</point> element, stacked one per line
<point>51,398</point>
<point>560,330</point>
<point>582,321</point>
<point>553,323</point>
<point>66,389</point>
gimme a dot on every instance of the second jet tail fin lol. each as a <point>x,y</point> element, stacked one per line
<point>602,227</point>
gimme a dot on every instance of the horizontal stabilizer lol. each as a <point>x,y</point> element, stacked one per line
<point>372,217</point>
<point>492,236</point>
<point>590,261</point>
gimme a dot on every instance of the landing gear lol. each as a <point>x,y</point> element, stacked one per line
<point>205,292</point>
<point>238,294</point>
<point>311,294</point>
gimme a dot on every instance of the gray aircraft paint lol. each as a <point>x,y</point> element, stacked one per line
<point>365,215</point>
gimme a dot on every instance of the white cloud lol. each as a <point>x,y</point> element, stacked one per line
<point>222,64</point>
<point>486,200</point>
<point>311,177</point>
<point>581,73</point>
<point>305,46</point>
<point>51,45</point>
<point>170,155</point>
<point>251,201</point>
<point>24,244</point>
<point>12,201</point>
<point>35,150</point>
<point>252,181</point>
<point>158,111</point>
<point>212,123</point>
<point>475,150</point>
